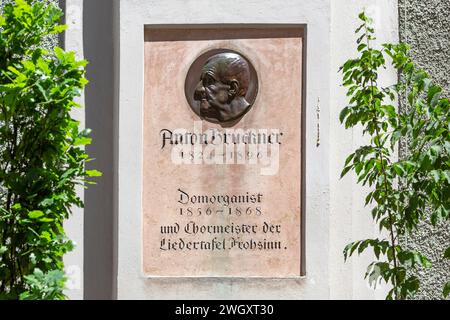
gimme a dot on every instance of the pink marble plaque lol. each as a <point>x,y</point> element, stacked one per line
<point>222,200</point>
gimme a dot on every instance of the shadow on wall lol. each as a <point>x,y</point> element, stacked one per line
<point>99,95</point>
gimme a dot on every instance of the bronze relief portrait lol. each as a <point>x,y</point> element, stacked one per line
<point>221,86</point>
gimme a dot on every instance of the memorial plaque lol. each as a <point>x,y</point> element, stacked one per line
<point>222,152</point>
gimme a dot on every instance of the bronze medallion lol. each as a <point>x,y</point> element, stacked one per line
<point>221,86</point>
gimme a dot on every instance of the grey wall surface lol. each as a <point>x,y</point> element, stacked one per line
<point>425,25</point>
<point>99,98</point>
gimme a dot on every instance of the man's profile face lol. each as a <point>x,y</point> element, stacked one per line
<point>212,91</point>
<point>222,87</point>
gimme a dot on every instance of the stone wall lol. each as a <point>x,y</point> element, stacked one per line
<point>425,25</point>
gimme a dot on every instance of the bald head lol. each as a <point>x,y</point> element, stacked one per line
<point>221,91</point>
<point>229,67</point>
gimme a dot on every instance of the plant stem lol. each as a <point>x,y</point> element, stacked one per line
<point>383,168</point>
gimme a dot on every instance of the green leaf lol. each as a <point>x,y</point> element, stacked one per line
<point>447,253</point>
<point>438,215</point>
<point>344,114</point>
<point>59,29</point>
<point>432,92</point>
<point>43,65</point>
<point>398,168</point>
<point>362,16</point>
<point>349,158</point>
<point>82,63</point>
<point>436,175</point>
<point>82,141</point>
<point>59,53</point>
<point>46,202</point>
<point>446,290</point>
<point>359,28</point>
<point>35,214</point>
<point>345,171</point>
<point>42,91</point>
<point>46,235</point>
<point>93,173</point>
<point>446,175</point>
<point>16,206</point>
<point>362,46</point>
<point>435,149</point>
<point>29,65</point>
<point>20,76</point>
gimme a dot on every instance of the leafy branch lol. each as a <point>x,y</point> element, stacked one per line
<point>42,157</point>
<point>402,191</point>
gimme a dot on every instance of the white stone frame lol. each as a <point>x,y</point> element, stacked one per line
<point>321,280</point>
